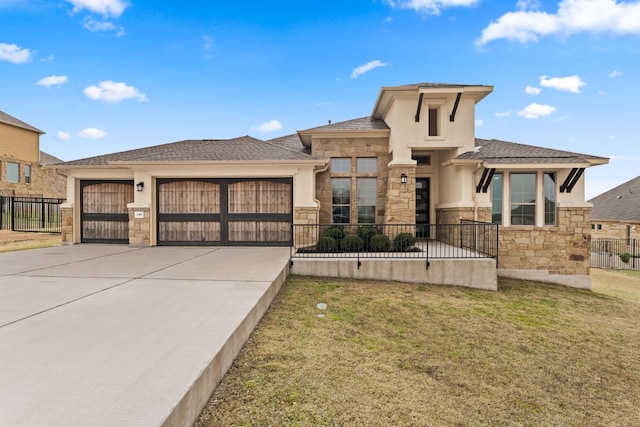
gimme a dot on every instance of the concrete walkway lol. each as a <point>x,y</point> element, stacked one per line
<point>108,335</point>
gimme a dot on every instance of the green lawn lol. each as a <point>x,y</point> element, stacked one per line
<point>405,354</point>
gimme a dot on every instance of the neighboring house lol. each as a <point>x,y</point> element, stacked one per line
<point>21,162</point>
<point>616,213</point>
<point>418,144</point>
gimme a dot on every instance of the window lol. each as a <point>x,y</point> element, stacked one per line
<point>367,194</point>
<point>27,174</point>
<point>523,199</point>
<point>13,172</point>
<point>367,165</point>
<point>341,165</point>
<point>433,122</point>
<point>362,208</point>
<point>341,200</point>
<point>549,184</point>
<point>496,199</point>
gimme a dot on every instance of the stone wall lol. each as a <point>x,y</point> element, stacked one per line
<point>44,182</point>
<point>563,249</point>
<point>401,198</point>
<point>353,148</point>
<point>614,229</point>
<point>305,236</point>
<point>67,225</point>
<point>139,228</point>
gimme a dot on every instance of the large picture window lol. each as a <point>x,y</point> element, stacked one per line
<point>360,182</point>
<point>530,198</point>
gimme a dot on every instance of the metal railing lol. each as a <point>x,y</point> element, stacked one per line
<point>470,239</point>
<point>620,254</point>
<point>36,214</point>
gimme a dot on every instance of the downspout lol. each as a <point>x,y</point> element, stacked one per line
<point>473,186</point>
<point>315,175</point>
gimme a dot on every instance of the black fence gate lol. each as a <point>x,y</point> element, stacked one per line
<point>35,214</point>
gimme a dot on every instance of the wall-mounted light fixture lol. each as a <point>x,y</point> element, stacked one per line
<point>140,186</point>
<point>403,178</point>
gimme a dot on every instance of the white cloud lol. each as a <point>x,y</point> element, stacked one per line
<point>535,111</point>
<point>270,126</point>
<point>527,4</point>
<point>568,84</point>
<point>92,133</point>
<point>615,73</point>
<point>52,81</point>
<point>479,122</point>
<point>109,91</point>
<point>63,136</point>
<point>14,53</point>
<point>106,8</point>
<point>572,16</point>
<point>367,67</point>
<point>431,7</point>
<point>530,90</point>
<point>503,114</point>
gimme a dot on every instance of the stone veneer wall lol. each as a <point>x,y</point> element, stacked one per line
<point>327,148</point>
<point>67,225</point>
<point>401,198</point>
<point>139,228</point>
<point>562,249</point>
<point>305,236</point>
<point>44,182</point>
<point>615,229</point>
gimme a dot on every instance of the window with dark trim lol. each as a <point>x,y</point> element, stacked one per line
<point>496,199</point>
<point>340,200</point>
<point>367,194</point>
<point>433,121</point>
<point>27,174</point>
<point>549,183</point>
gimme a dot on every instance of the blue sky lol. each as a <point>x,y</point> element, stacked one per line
<point>100,76</point>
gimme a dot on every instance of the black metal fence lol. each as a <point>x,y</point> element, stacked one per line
<point>620,254</point>
<point>26,213</point>
<point>470,239</point>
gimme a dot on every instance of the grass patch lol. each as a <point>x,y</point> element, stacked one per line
<point>17,241</point>
<point>404,354</point>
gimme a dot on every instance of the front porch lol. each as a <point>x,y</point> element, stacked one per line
<point>447,254</point>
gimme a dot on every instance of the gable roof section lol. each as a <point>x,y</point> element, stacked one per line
<point>12,121</point>
<point>245,148</point>
<point>48,159</point>
<point>621,203</point>
<point>290,142</point>
<point>362,125</point>
<point>496,152</point>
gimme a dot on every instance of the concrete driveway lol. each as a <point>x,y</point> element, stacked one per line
<point>107,335</point>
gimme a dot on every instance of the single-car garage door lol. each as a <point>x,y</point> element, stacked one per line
<point>104,215</point>
<point>225,211</point>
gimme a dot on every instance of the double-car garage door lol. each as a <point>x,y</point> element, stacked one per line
<point>195,211</point>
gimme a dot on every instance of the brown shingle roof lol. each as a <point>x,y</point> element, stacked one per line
<point>245,148</point>
<point>10,120</point>
<point>503,152</point>
<point>621,203</point>
<point>48,159</point>
<point>363,123</point>
<point>290,142</point>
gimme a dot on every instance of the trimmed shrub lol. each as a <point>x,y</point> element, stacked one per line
<point>403,242</point>
<point>366,232</point>
<point>625,256</point>
<point>327,244</point>
<point>380,243</point>
<point>335,231</point>
<point>352,243</point>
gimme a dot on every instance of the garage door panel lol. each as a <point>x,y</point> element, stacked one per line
<point>178,231</point>
<point>260,197</point>
<point>104,214</point>
<point>259,231</point>
<point>225,211</point>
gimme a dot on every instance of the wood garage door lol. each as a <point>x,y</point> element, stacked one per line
<point>104,215</point>
<point>241,212</point>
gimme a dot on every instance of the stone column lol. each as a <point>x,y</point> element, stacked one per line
<point>306,235</point>
<point>67,225</point>
<point>139,227</point>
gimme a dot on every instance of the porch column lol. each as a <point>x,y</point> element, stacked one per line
<point>401,197</point>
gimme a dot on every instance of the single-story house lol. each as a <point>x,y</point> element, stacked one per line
<point>413,160</point>
<point>616,213</point>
